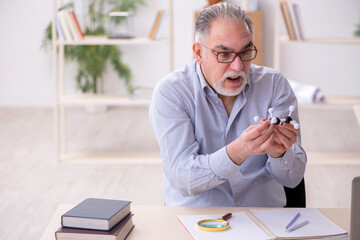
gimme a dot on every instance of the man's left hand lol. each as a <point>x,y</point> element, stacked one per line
<point>285,137</point>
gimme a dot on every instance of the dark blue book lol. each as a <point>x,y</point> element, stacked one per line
<point>96,214</point>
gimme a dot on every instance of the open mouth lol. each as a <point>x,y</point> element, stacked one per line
<point>234,78</point>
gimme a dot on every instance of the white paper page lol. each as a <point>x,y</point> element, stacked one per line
<point>338,237</point>
<point>241,228</point>
<point>277,219</point>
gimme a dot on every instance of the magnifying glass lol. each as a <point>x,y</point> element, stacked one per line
<point>215,225</point>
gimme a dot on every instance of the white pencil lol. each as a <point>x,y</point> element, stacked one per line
<point>297,226</point>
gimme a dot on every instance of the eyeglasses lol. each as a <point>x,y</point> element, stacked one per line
<point>229,57</point>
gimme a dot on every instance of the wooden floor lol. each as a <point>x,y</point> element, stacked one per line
<point>33,183</point>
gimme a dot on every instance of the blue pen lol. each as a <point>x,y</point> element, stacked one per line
<point>293,220</point>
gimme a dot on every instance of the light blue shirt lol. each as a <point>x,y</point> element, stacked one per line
<point>192,127</point>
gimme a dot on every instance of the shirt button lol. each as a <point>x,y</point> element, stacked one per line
<point>216,102</point>
<point>285,162</point>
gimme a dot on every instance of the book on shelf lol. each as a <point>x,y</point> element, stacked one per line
<point>287,19</point>
<point>299,22</point>
<point>292,19</point>
<point>96,214</point>
<point>64,25</point>
<point>161,26</point>
<point>76,24</point>
<point>118,232</point>
<point>266,224</point>
<point>69,25</point>
<point>156,24</point>
<point>59,31</point>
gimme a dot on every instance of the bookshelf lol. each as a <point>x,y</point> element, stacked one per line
<point>64,100</point>
<point>281,39</point>
<point>103,40</point>
<point>333,58</point>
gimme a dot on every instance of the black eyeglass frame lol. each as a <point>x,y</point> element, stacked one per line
<point>236,54</point>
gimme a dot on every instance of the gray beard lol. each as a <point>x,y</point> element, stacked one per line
<point>220,90</point>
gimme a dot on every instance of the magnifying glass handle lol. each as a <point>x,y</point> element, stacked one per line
<point>226,216</point>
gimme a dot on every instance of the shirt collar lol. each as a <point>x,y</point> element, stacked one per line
<point>203,82</point>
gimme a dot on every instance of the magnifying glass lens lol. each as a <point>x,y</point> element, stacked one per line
<point>213,224</point>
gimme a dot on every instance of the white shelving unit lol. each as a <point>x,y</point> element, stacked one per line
<point>64,100</point>
<point>280,39</point>
<point>103,40</point>
<point>282,42</point>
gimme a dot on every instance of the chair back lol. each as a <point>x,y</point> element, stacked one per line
<point>295,197</point>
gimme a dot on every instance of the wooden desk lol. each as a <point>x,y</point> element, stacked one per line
<point>159,222</point>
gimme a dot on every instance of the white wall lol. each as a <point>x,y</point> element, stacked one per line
<point>26,71</point>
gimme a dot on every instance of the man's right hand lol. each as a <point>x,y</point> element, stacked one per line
<point>255,140</point>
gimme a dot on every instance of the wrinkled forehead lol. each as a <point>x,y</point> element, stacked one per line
<point>229,35</point>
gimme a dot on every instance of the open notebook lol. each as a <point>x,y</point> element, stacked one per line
<point>265,224</point>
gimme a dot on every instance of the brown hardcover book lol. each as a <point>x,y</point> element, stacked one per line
<point>156,25</point>
<point>287,19</point>
<point>293,19</point>
<point>119,232</point>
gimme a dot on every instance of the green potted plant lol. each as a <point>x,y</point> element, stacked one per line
<point>357,31</point>
<point>92,59</point>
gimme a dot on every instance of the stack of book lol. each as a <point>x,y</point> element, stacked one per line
<point>96,218</point>
<point>293,21</point>
<point>67,26</point>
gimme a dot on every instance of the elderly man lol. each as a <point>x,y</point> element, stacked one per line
<point>213,153</point>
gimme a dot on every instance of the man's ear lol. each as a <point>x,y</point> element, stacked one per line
<point>197,52</point>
